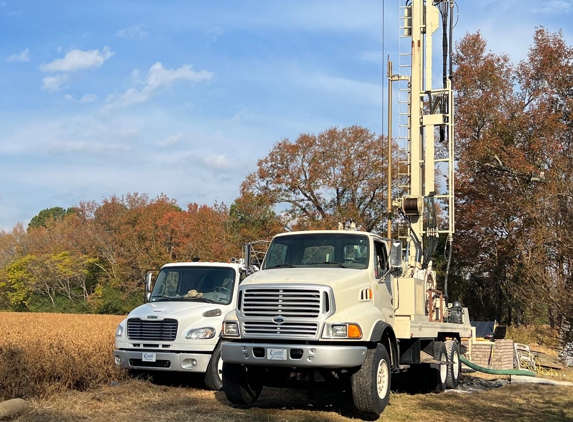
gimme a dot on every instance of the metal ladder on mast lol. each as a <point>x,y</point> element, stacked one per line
<point>404,117</point>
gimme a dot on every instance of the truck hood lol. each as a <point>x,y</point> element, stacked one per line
<point>187,311</point>
<point>326,276</point>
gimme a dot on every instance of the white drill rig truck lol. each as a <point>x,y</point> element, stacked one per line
<point>353,307</point>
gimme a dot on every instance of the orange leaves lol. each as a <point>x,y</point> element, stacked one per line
<point>99,254</point>
<point>325,178</point>
<point>514,131</point>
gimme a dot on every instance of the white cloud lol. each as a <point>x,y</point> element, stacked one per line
<point>217,93</point>
<point>217,161</point>
<point>214,33</point>
<point>24,56</point>
<point>53,83</point>
<point>558,7</point>
<point>134,31</point>
<point>372,56</point>
<point>157,77</point>
<point>241,115</point>
<point>170,140</point>
<point>348,89</point>
<point>78,59</point>
<point>85,147</point>
<point>86,98</point>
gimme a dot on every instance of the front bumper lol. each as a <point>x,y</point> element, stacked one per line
<point>184,362</point>
<point>299,355</point>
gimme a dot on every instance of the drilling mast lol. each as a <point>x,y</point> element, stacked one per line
<point>426,115</point>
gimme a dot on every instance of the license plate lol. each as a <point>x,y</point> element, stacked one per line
<point>277,354</point>
<point>148,357</point>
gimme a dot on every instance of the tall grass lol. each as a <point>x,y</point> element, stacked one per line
<point>47,353</point>
<point>541,335</point>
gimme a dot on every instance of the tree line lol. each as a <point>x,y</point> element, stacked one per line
<point>512,252</point>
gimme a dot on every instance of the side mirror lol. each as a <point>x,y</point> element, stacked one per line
<point>148,281</point>
<point>396,259</point>
<point>247,254</point>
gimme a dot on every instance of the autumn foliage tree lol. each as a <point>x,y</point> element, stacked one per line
<point>95,258</point>
<point>323,179</point>
<point>514,180</point>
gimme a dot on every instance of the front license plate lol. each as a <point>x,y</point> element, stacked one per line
<point>148,357</point>
<point>277,354</point>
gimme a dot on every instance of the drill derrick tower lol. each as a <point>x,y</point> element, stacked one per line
<point>425,130</point>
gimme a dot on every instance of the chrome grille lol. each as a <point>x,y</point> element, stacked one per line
<point>165,330</point>
<point>286,328</point>
<point>295,303</point>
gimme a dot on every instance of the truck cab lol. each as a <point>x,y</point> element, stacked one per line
<point>178,329</point>
<point>313,265</point>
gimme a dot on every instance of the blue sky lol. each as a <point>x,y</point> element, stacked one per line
<point>183,97</point>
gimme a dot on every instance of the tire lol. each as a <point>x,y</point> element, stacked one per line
<point>370,385</point>
<point>242,384</point>
<point>439,373</point>
<point>455,367</point>
<point>214,376</point>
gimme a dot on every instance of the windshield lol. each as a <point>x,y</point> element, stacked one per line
<point>318,250</point>
<point>202,284</point>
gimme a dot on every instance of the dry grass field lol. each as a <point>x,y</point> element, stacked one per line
<point>144,401</point>
<point>63,365</point>
<point>42,354</point>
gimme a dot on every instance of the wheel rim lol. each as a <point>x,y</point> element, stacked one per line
<point>443,368</point>
<point>456,364</point>
<point>382,378</point>
<point>220,368</point>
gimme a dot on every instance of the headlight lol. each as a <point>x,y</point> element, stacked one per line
<point>231,328</point>
<point>119,331</point>
<point>339,331</point>
<point>201,333</point>
<point>342,330</point>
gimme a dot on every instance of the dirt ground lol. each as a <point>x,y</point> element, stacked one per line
<point>476,400</point>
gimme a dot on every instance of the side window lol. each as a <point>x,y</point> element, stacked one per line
<point>380,260</point>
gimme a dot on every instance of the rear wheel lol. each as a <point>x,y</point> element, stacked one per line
<point>455,364</point>
<point>371,383</point>
<point>439,372</point>
<point>242,384</point>
<point>214,375</point>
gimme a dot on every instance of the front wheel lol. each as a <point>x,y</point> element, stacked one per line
<point>242,384</point>
<point>214,375</point>
<point>371,383</point>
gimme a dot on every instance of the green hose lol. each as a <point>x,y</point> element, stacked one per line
<point>498,371</point>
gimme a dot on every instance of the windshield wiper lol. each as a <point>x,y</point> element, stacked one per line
<point>338,264</point>
<point>160,298</point>
<point>280,266</point>
<point>202,299</point>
